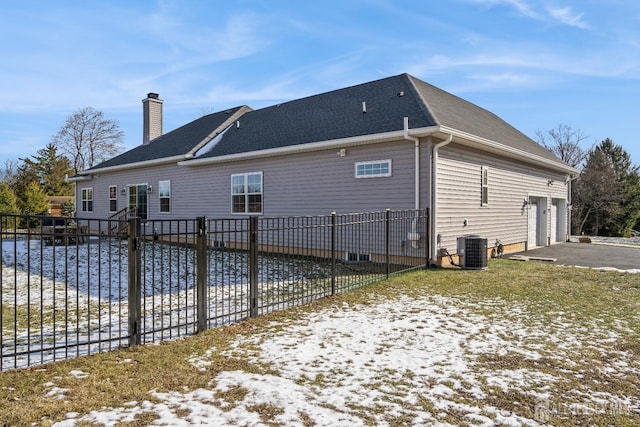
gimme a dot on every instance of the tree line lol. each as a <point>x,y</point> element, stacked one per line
<point>605,195</point>
<point>85,139</point>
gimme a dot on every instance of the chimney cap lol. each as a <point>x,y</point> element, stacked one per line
<point>152,95</point>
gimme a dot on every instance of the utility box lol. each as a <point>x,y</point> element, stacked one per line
<point>472,252</point>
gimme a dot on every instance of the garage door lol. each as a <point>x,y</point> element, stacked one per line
<point>532,233</point>
<point>554,220</point>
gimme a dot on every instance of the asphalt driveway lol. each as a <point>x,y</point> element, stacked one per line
<point>596,255</point>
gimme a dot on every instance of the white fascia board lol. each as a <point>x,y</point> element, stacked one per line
<point>78,178</point>
<point>143,164</point>
<point>502,149</point>
<point>313,146</point>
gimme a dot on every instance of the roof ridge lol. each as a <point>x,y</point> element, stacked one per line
<point>234,114</point>
<point>327,92</point>
<point>424,105</point>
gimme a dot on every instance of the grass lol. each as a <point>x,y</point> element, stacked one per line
<point>554,300</point>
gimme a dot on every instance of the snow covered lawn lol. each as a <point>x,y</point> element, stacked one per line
<point>556,345</point>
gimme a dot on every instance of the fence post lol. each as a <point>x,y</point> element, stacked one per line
<point>201,274</point>
<point>253,266</point>
<point>427,251</point>
<point>333,252</point>
<point>387,234</point>
<point>134,281</point>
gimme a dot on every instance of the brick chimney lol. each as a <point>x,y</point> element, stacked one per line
<point>151,118</point>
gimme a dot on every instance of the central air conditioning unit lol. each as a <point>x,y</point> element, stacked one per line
<point>472,251</point>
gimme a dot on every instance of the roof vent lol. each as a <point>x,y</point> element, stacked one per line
<point>401,93</point>
<point>238,124</point>
<point>364,106</point>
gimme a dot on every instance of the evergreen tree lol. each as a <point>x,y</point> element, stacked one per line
<point>607,200</point>
<point>8,205</point>
<point>27,172</point>
<point>52,170</point>
<point>8,199</point>
<point>34,201</point>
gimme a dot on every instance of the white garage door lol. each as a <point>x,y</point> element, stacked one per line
<point>532,233</point>
<point>554,221</point>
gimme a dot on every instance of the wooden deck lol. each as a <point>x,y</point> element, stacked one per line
<point>63,235</point>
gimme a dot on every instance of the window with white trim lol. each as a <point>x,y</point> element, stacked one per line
<point>246,193</point>
<point>113,198</point>
<point>485,186</point>
<point>373,169</point>
<point>164,193</point>
<point>87,199</point>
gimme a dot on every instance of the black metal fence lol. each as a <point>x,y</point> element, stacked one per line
<point>72,287</point>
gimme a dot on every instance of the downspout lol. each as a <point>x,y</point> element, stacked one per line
<point>433,214</point>
<point>570,204</point>
<point>414,236</point>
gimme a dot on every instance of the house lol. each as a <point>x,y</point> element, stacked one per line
<point>396,143</point>
<point>57,205</point>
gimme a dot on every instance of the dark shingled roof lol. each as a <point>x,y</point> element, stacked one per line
<point>331,115</point>
<point>335,115</point>
<point>456,113</point>
<point>175,143</point>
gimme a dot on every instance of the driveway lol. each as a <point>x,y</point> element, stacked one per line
<point>596,255</point>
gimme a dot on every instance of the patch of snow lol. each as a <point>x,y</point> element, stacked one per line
<point>56,392</point>
<point>201,362</point>
<point>209,145</point>
<point>410,359</point>
<point>78,374</point>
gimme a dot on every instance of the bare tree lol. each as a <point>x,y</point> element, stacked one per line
<point>564,142</point>
<point>88,137</point>
<point>8,171</point>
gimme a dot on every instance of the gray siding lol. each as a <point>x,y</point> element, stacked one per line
<point>505,217</point>
<point>300,184</point>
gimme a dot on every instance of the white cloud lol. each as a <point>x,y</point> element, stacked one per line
<point>520,5</point>
<point>566,16</point>
<point>504,79</point>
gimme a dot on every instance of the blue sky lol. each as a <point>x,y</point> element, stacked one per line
<point>535,63</point>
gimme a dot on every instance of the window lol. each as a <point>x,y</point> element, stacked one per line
<point>138,200</point>
<point>373,169</point>
<point>164,192</point>
<point>485,186</point>
<point>246,193</point>
<point>358,257</point>
<point>87,200</point>
<point>113,198</point>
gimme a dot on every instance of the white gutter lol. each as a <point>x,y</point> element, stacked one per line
<point>570,204</point>
<point>416,141</point>
<point>433,214</point>
<point>147,163</point>
<point>311,146</point>
<point>78,178</point>
<point>414,237</point>
<point>505,150</point>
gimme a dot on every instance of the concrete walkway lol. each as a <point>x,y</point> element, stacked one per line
<point>595,255</point>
